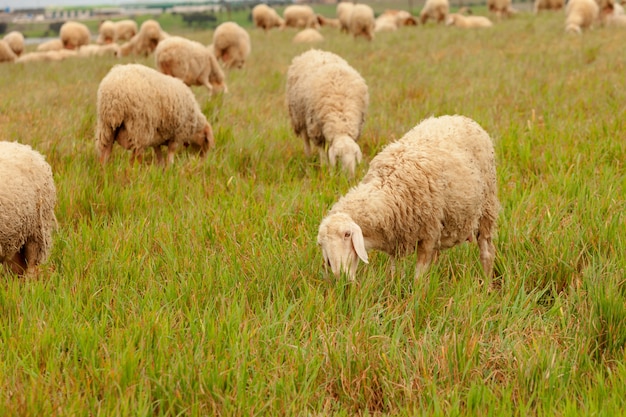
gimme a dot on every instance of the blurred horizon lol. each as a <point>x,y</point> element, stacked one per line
<point>36,4</point>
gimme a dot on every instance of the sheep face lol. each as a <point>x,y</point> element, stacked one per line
<point>203,139</point>
<point>342,244</point>
<point>349,152</point>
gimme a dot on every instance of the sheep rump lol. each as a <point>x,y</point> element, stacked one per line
<point>265,17</point>
<point>27,201</point>
<point>430,190</point>
<point>231,44</point>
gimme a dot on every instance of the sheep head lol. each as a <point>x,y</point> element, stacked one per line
<point>347,149</point>
<point>342,244</point>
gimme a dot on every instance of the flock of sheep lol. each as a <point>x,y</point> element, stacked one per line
<point>411,198</point>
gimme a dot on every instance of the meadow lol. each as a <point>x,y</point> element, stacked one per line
<point>199,290</point>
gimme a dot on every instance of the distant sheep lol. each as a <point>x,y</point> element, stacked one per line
<point>125,30</point>
<point>138,107</point>
<point>468,22</point>
<point>327,101</point>
<point>6,53</point>
<point>580,15</point>
<point>145,41</point>
<point>300,16</point>
<point>501,8</point>
<point>231,44</point>
<point>308,35</point>
<point>15,40</point>
<point>74,35</point>
<point>433,189</point>
<point>51,45</point>
<point>391,20</point>
<point>27,201</point>
<point>547,5</point>
<point>54,55</point>
<point>110,49</point>
<point>106,32</point>
<point>266,18</point>
<point>344,10</point>
<point>362,21</point>
<point>328,22</point>
<point>191,62</point>
<point>436,10</point>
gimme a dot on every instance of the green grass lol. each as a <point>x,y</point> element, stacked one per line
<point>199,290</point>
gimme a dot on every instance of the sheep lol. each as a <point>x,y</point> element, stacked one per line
<point>433,189</point>
<point>328,22</point>
<point>580,15</point>
<point>467,22</point>
<point>139,107</point>
<point>40,56</point>
<point>231,44</point>
<point>501,8</point>
<point>145,41</point>
<point>362,22</point>
<point>300,16</point>
<point>436,10</point>
<point>391,20</point>
<point>106,32</point>
<point>191,62</point>
<point>6,53</point>
<point>327,101</point>
<point>385,24</point>
<point>547,5</point>
<point>27,202</point>
<point>111,49</point>
<point>266,18</point>
<point>15,40</point>
<point>344,10</point>
<point>125,30</point>
<point>308,35</point>
<point>617,18</point>
<point>74,35</point>
<point>50,45</point>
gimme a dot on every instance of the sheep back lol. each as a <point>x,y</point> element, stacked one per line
<point>74,35</point>
<point>362,21</point>
<point>231,44</point>
<point>300,16</point>
<point>436,10</point>
<point>580,15</point>
<point>265,17</point>
<point>15,40</point>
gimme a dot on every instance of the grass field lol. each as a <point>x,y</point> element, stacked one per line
<point>199,290</point>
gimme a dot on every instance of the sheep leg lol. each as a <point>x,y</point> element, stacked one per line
<point>485,243</point>
<point>171,149</point>
<point>31,253</point>
<point>209,87</point>
<point>17,263</point>
<point>426,253</point>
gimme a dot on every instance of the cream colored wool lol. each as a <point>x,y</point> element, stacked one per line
<point>362,21</point>
<point>327,101</point>
<point>145,41</point>
<point>468,22</point>
<point>110,49</point>
<point>139,108</point>
<point>191,62</point>
<point>74,35</point>
<point>27,201</point>
<point>106,32</point>
<point>266,18</point>
<point>308,35</point>
<point>15,40</point>
<point>125,30</point>
<point>41,56</point>
<point>580,15</point>
<point>433,189</point>
<point>231,44</point>
<point>344,10</point>
<point>51,45</point>
<point>300,16</point>
<point>6,53</point>
<point>501,8</point>
<point>547,5</point>
<point>436,10</point>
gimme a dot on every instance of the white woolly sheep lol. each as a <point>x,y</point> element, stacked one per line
<point>547,5</point>
<point>344,10</point>
<point>362,21</point>
<point>125,30</point>
<point>468,22</point>
<point>111,49</point>
<point>51,45</point>
<point>328,22</point>
<point>27,201</point>
<point>15,40</point>
<point>300,16</point>
<point>266,18</point>
<point>617,18</point>
<point>74,35</point>
<point>6,53</point>
<point>40,56</point>
<point>191,62</point>
<point>139,108</point>
<point>580,15</point>
<point>327,101</point>
<point>106,32</point>
<point>308,35</point>
<point>501,8</point>
<point>436,10</point>
<point>145,41</point>
<point>231,44</point>
<point>391,20</point>
<point>433,189</point>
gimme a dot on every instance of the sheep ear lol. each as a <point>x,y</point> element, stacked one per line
<point>358,243</point>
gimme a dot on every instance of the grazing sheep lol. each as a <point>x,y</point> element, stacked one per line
<point>111,49</point>
<point>145,41</point>
<point>436,10</point>
<point>74,35</point>
<point>231,44</point>
<point>433,189</point>
<point>40,56</point>
<point>308,35</point>
<point>27,201</point>
<point>580,15</point>
<point>6,53</point>
<point>362,21</point>
<point>51,45</point>
<point>391,20</point>
<point>501,8</point>
<point>15,40</point>
<point>328,22</point>
<point>617,18</point>
<point>327,101</point>
<point>106,32</point>
<point>191,62</point>
<point>266,18</point>
<point>300,16</point>
<point>467,22</point>
<point>547,5</point>
<point>344,10</point>
<point>125,30</point>
<point>139,108</point>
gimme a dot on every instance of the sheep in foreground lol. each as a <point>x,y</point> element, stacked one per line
<point>300,16</point>
<point>15,40</point>
<point>580,15</point>
<point>191,62</point>
<point>27,201</point>
<point>433,189</point>
<point>6,53</point>
<point>327,100</point>
<point>468,22</point>
<point>139,108</point>
<point>266,18</point>
<point>308,35</point>
<point>74,35</point>
<point>145,41</point>
<point>344,10</point>
<point>362,21</point>
<point>231,44</point>
<point>51,45</point>
<point>436,10</point>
